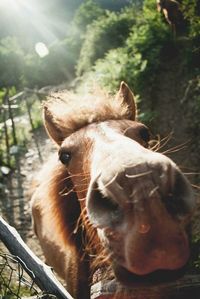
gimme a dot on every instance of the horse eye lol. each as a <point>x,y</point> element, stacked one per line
<point>144,133</point>
<point>64,157</point>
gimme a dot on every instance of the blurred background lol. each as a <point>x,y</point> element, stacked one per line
<point>71,44</point>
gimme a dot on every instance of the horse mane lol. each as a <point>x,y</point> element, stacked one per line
<point>61,204</point>
<point>71,112</point>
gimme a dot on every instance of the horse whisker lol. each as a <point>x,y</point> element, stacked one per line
<point>67,193</point>
<point>195,186</point>
<point>165,140</point>
<point>85,175</point>
<point>153,191</point>
<point>133,193</point>
<point>192,173</point>
<point>133,176</point>
<point>176,148</point>
<point>65,188</point>
<point>111,181</point>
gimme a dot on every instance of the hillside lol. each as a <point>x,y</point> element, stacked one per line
<point>173,101</point>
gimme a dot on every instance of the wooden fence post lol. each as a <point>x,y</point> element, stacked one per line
<point>6,130</point>
<point>40,273</point>
<point>32,127</point>
<point>11,117</point>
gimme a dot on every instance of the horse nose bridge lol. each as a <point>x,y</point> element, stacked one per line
<point>118,154</point>
<point>131,159</point>
<point>136,180</point>
<point>151,172</point>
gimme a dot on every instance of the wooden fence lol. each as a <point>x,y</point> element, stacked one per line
<point>11,112</point>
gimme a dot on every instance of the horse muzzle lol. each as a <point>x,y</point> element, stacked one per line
<point>142,212</point>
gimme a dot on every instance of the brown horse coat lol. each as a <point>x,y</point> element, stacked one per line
<point>112,203</point>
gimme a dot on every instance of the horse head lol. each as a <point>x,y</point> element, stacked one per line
<point>133,205</point>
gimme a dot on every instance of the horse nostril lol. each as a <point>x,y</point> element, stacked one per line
<point>180,200</point>
<point>102,210</point>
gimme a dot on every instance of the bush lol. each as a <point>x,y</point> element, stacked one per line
<point>11,62</point>
<point>118,66</point>
<point>87,12</point>
<point>191,12</point>
<point>108,32</point>
<point>139,59</point>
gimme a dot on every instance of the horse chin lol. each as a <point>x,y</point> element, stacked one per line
<point>126,277</point>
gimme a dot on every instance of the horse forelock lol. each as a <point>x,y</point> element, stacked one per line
<point>71,112</point>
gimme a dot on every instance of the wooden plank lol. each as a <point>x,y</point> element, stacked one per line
<point>40,273</point>
<point>4,113</point>
<point>12,120</point>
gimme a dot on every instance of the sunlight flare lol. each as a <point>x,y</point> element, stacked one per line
<point>41,49</point>
<point>11,4</point>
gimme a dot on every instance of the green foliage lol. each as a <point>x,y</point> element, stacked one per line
<point>55,68</point>
<point>138,61</point>
<point>107,32</point>
<point>148,39</point>
<point>87,12</point>
<point>32,74</point>
<point>118,66</point>
<point>11,62</point>
<point>191,12</point>
<point>117,5</point>
<point>194,108</point>
<point>59,64</point>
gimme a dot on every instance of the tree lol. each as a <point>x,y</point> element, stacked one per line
<point>86,14</point>
<point>11,63</point>
<point>55,68</point>
<point>107,32</point>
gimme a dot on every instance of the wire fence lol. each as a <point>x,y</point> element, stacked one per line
<point>14,282</point>
<point>22,273</point>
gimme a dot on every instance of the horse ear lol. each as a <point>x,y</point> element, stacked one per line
<point>52,127</point>
<point>127,96</point>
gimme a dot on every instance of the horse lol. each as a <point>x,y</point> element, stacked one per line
<point>172,12</point>
<point>107,201</point>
